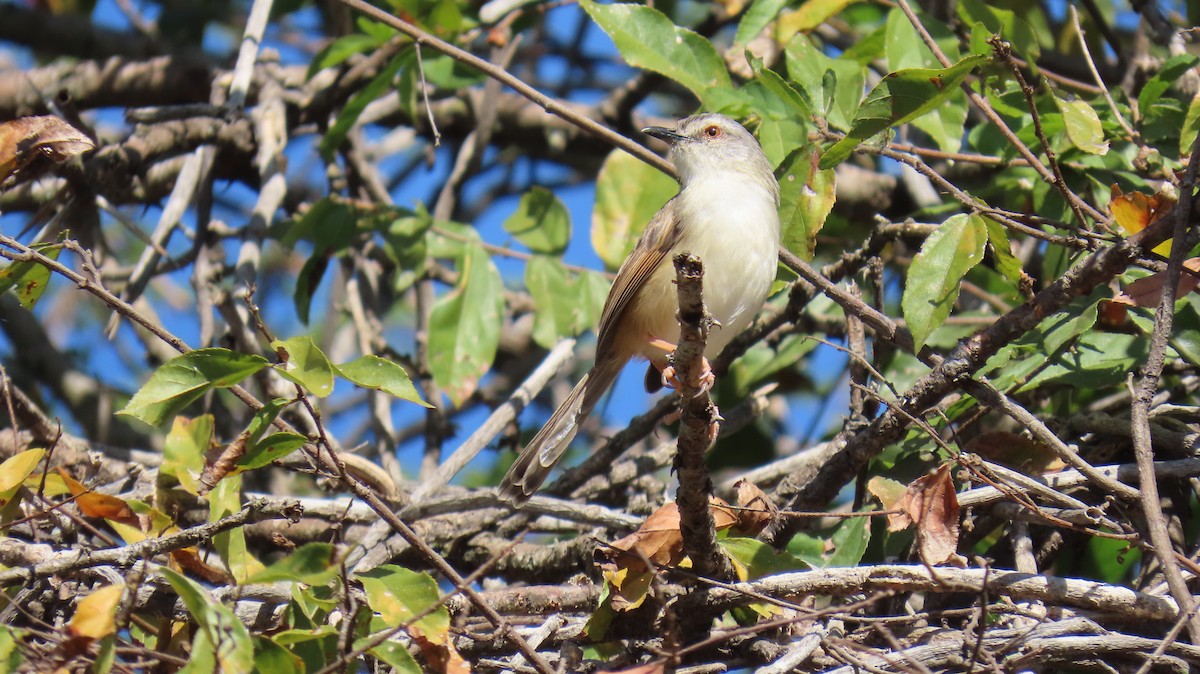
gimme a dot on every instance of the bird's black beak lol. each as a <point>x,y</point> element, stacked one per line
<point>662,133</point>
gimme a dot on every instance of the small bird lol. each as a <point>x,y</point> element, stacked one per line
<point>726,212</point>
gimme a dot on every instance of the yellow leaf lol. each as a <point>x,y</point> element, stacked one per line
<point>95,617</point>
<point>14,471</point>
<point>1136,211</point>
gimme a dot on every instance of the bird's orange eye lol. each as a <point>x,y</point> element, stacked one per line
<point>712,131</point>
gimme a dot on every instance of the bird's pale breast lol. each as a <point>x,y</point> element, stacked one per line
<point>733,226</point>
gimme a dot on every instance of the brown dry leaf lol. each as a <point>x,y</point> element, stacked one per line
<point>99,506</point>
<point>757,510</point>
<point>31,145</point>
<point>220,461</point>
<point>188,559</point>
<point>441,656</point>
<point>656,667</point>
<point>1112,314</point>
<point>95,615</point>
<point>1136,211</point>
<point>930,502</point>
<point>1015,451</point>
<point>890,492</point>
<point>1146,291</point>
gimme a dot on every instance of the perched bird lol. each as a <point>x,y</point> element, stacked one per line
<point>726,213</point>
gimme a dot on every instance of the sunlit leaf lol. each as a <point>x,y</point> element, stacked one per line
<point>556,304</point>
<point>1136,211</point>
<point>311,564</point>
<point>305,364</point>
<point>806,197</point>
<point>900,97</point>
<point>648,39</point>
<point>27,278</point>
<point>373,372</point>
<point>932,285</point>
<point>15,469</point>
<point>806,17</point>
<point>181,381</point>
<point>399,595</point>
<point>95,615</point>
<point>1083,125</point>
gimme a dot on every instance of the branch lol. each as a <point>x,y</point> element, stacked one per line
<point>697,425</point>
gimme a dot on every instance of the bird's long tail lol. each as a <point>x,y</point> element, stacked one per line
<point>536,460</point>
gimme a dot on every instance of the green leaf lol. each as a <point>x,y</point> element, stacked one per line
<point>311,564</point>
<point>899,98</point>
<point>28,278</point>
<point>556,305</point>
<point>304,364</point>
<point>222,643</point>
<point>648,39</point>
<point>1166,75</point>
<point>906,49</point>
<point>592,290</point>
<point>1006,263</point>
<point>761,361</point>
<point>380,85</point>
<point>760,14</point>
<point>183,380</point>
<point>10,655</point>
<point>398,595</point>
<point>393,654</point>
<point>833,85</point>
<point>806,197</point>
<point>271,448</point>
<point>933,278</point>
<point>224,500</point>
<point>628,194</point>
<point>1003,22</point>
<point>341,49</point>
<point>849,543</point>
<point>184,449</point>
<point>380,374</point>
<point>1083,125</point>
<point>761,559</point>
<point>1191,124</point>
<point>405,242</point>
<point>464,328</point>
<point>541,222</point>
<point>271,657</point>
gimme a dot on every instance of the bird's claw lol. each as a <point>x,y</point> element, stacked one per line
<point>703,384</point>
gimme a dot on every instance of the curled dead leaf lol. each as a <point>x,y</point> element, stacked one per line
<point>932,505</point>
<point>220,461</point>
<point>756,510</point>
<point>30,146</point>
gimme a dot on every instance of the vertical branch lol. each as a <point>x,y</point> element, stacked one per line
<point>1143,397</point>
<point>698,419</point>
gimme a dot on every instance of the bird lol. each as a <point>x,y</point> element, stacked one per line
<point>726,213</point>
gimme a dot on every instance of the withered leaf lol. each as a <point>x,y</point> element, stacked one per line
<point>1136,211</point>
<point>930,503</point>
<point>756,509</point>
<point>1146,291</point>
<point>32,145</point>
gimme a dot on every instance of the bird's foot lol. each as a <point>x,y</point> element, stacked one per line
<point>703,383</point>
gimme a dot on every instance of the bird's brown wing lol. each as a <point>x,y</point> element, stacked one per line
<point>657,240</point>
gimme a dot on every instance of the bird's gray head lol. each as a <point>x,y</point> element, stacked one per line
<point>708,144</point>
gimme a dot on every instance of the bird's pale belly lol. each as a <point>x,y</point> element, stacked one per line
<point>739,268</point>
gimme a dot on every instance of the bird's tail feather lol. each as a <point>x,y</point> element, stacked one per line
<point>536,460</point>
